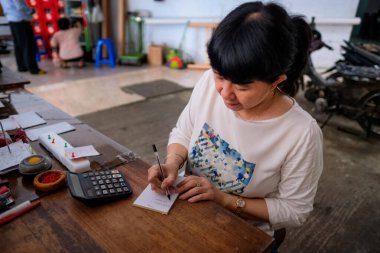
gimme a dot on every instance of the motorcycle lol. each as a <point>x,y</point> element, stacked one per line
<point>351,88</point>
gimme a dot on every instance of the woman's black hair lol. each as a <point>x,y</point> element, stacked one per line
<point>63,23</point>
<point>259,41</point>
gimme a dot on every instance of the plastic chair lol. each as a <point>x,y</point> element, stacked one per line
<point>111,60</point>
<point>41,48</point>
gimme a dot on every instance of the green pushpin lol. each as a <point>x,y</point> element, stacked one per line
<point>49,137</point>
<point>65,144</point>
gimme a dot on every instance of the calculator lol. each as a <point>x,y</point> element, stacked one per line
<point>97,187</point>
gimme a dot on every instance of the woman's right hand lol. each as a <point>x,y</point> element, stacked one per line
<point>154,176</point>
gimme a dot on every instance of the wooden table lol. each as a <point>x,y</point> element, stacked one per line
<point>11,80</point>
<point>63,224</point>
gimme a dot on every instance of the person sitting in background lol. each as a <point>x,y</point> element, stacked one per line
<point>248,145</point>
<point>66,44</point>
<point>19,15</point>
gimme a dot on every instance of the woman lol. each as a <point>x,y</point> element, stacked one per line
<point>248,145</point>
<point>66,44</point>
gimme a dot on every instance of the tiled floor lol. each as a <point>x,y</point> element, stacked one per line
<point>82,91</point>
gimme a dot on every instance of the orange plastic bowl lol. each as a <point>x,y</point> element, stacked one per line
<point>49,180</point>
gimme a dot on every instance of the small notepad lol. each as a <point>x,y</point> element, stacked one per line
<point>155,201</point>
<point>78,152</point>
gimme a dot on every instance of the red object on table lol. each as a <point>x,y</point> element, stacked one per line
<point>13,216</point>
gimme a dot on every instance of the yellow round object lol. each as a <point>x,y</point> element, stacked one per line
<point>34,160</point>
<point>49,180</point>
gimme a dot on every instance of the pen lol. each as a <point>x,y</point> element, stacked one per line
<point>161,171</point>
<point>5,138</point>
<point>17,211</point>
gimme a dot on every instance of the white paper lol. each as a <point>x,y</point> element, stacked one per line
<point>58,128</point>
<point>9,124</point>
<point>28,119</point>
<point>78,152</point>
<point>1,105</point>
<point>19,151</point>
<point>154,201</point>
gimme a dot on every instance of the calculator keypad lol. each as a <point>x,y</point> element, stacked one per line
<point>104,184</point>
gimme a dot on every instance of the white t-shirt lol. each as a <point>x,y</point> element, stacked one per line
<point>278,159</point>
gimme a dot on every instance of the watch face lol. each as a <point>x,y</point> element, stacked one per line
<point>240,202</point>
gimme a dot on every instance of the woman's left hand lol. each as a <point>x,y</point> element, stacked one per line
<point>194,189</point>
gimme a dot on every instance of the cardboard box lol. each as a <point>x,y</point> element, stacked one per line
<point>155,55</point>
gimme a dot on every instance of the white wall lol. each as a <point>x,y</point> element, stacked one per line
<point>173,14</point>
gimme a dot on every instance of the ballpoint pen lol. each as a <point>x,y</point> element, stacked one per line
<point>161,170</point>
<point>5,138</point>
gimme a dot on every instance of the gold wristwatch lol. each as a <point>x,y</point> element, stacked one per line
<point>240,204</point>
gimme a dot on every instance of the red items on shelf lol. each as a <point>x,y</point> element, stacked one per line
<point>45,19</point>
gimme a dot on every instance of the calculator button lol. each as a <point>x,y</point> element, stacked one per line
<point>92,178</point>
<point>121,179</point>
<point>116,185</point>
<point>96,188</point>
<point>103,187</point>
<point>108,181</point>
<point>123,184</point>
<point>114,180</point>
<point>112,191</point>
<point>110,185</point>
<point>97,177</point>
<point>90,193</point>
<point>109,176</point>
<point>104,177</point>
<point>125,189</point>
<point>94,183</point>
<point>96,173</point>
<point>101,173</point>
<point>98,193</point>
<point>114,171</point>
<point>91,173</point>
<point>119,190</point>
<point>105,192</point>
<point>107,172</point>
<point>85,175</point>
<point>101,182</point>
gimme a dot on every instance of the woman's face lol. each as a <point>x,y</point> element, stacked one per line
<point>243,97</point>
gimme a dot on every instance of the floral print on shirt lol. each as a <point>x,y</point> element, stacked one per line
<point>213,157</point>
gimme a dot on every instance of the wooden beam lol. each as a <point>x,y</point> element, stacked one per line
<point>203,25</point>
<point>121,27</point>
<point>199,66</point>
<point>106,7</point>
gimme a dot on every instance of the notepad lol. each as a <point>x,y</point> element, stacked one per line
<point>23,120</point>
<point>154,201</point>
<point>9,124</point>
<point>78,152</point>
<point>19,151</point>
<point>28,119</point>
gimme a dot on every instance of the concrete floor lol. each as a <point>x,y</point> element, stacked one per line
<point>346,216</point>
